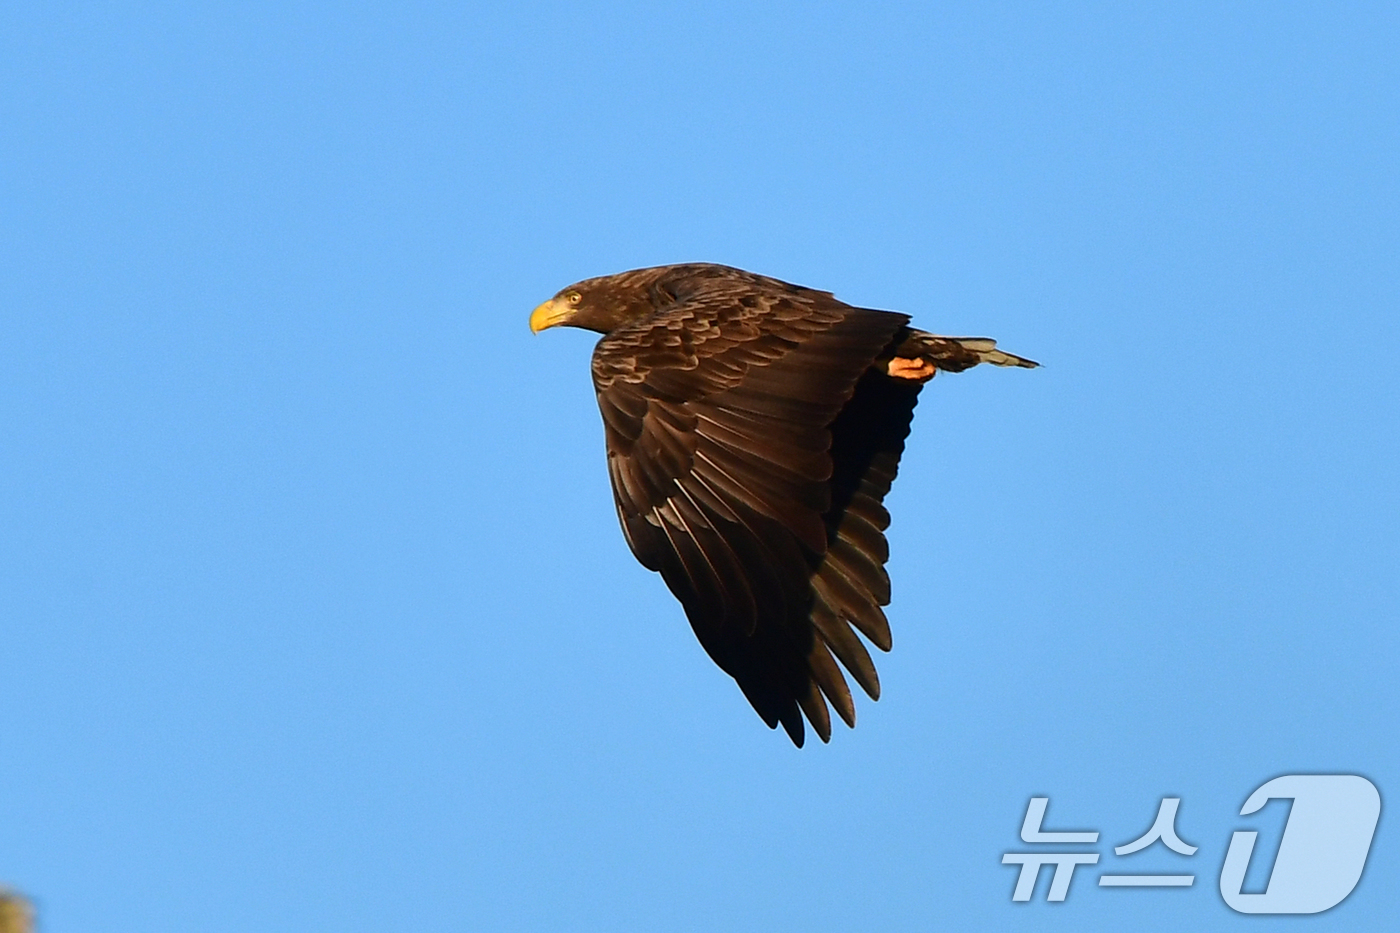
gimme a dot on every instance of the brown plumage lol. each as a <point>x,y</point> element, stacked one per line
<point>753,430</point>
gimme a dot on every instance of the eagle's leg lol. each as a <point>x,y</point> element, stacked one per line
<point>916,369</point>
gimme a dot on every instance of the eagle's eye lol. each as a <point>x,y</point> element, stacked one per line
<point>573,298</point>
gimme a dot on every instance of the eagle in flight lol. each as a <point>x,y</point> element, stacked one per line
<point>753,429</point>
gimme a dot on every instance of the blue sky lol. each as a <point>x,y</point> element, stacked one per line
<point>314,609</point>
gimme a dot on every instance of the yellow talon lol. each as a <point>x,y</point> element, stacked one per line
<point>916,369</point>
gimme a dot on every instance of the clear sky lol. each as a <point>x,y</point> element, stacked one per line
<point>314,612</point>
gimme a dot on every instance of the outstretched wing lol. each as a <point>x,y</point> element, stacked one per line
<point>749,446</point>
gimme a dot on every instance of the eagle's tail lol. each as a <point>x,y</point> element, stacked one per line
<point>985,348</point>
<point>954,354</point>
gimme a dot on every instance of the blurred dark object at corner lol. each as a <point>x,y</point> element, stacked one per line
<point>16,915</point>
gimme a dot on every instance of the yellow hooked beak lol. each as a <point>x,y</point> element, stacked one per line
<point>550,313</point>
